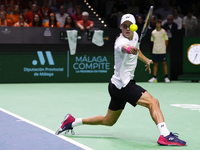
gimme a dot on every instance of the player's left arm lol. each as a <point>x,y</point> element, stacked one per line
<point>144,59</point>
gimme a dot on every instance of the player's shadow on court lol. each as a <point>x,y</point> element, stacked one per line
<point>133,141</point>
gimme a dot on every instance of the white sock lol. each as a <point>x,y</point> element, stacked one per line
<point>77,122</point>
<point>163,129</point>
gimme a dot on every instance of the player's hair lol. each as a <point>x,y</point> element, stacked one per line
<point>78,6</point>
<point>39,23</point>
<point>54,21</point>
<point>158,21</point>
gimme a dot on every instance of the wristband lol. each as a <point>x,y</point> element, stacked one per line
<point>128,49</point>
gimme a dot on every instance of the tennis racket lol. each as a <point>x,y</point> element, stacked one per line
<point>145,26</point>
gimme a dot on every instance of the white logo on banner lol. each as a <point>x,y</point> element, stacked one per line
<point>188,106</point>
<point>42,60</point>
<point>43,71</point>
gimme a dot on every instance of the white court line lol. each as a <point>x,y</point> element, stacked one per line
<point>47,130</point>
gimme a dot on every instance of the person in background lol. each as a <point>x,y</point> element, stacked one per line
<point>45,10</point>
<point>29,15</point>
<point>61,16</point>
<point>152,24</point>
<point>170,25</point>
<point>3,8</point>
<point>78,15</point>
<point>162,12</point>
<point>160,40</point>
<point>52,21</point>
<point>133,7</point>
<point>190,21</point>
<point>3,20</point>
<point>178,20</point>
<point>37,21</point>
<point>140,23</point>
<point>21,22</point>
<point>69,22</point>
<point>14,17</point>
<point>85,24</point>
<point>29,6</point>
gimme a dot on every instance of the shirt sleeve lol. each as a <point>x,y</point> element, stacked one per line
<point>165,35</point>
<point>120,42</point>
<point>152,37</point>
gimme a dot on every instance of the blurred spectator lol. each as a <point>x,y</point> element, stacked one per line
<point>30,15</point>
<point>119,8</point>
<point>170,25</point>
<point>3,20</point>
<point>9,4</point>
<point>29,4</point>
<point>164,11</point>
<point>195,10</point>
<point>2,8</point>
<point>85,24</point>
<point>69,22</point>
<point>72,10</point>
<point>69,4</point>
<point>37,21</point>
<point>78,15</point>
<point>21,22</point>
<point>45,10</point>
<point>190,21</point>
<point>108,4</point>
<point>175,4</point>
<point>52,21</point>
<point>140,23</point>
<point>178,20</point>
<point>133,7</point>
<point>61,16</point>
<point>152,24</point>
<point>14,17</point>
<point>144,6</point>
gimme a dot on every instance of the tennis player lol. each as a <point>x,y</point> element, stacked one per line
<point>123,89</point>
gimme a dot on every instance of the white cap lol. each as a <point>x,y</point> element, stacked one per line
<point>128,17</point>
<point>85,13</point>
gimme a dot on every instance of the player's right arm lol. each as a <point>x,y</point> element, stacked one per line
<point>129,49</point>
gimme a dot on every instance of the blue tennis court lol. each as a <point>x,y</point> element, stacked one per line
<point>20,134</point>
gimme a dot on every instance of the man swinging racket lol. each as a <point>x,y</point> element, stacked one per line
<point>123,89</point>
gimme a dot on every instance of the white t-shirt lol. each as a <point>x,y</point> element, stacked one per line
<point>178,21</point>
<point>190,22</point>
<point>159,38</point>
<point>125,64</point>
<point>61,19</point>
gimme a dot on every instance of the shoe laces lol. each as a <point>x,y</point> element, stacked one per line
<point>72,131</point>
<point>175,134</point>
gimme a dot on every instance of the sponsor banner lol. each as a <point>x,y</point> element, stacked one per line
<point>47,67</point>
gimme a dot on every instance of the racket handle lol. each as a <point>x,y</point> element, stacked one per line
<point>138,45</point>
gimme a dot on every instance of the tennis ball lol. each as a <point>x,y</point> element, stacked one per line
<point>133,27</point>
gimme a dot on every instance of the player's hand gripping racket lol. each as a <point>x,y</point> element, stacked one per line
<point>145,26</point>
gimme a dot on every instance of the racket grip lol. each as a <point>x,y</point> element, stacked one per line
<point>138,45</point>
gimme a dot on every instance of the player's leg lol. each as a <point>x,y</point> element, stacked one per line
<point>70,122</point>
<point>155,68</point>
<point>165,67</point>
<point>163,58</point>
<point>108,120</point>
<point>115,109</point>
<point>166,137</point>
<point>152,104</point>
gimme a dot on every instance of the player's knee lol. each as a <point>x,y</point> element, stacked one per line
<point>155,102</point>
